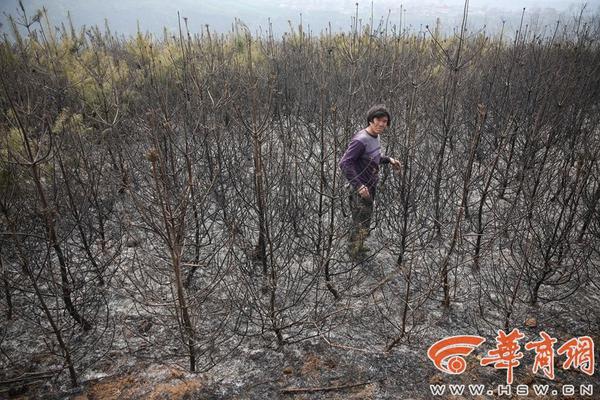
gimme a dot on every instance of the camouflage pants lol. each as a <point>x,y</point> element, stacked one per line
<point>362,211</point>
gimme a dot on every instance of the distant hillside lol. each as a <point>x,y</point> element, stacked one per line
<point>154,15</point>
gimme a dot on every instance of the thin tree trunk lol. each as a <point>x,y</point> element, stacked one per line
<point>25,264</point>
<point>49,216</point>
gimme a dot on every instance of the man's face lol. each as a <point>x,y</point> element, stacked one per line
<point>378,124</point>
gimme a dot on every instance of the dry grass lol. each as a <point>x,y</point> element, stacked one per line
<point>137,385</point>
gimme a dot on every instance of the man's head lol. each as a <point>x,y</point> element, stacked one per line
<point>378,118</point>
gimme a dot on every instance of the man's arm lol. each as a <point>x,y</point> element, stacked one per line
<point>389,160</point>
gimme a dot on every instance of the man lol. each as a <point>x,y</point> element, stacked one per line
<point>360,165</point>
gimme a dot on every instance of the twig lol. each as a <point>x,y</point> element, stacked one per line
<point>28,376</point>
<point>343,347</point>
<point>323,389</point>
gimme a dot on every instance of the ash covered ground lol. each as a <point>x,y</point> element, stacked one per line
<point>341,350</point>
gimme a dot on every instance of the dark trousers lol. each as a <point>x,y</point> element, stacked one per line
<point>362,211</point>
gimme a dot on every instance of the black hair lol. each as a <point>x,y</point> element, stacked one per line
<point>378,111</point>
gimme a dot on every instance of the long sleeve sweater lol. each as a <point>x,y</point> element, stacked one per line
<point>360,163</point>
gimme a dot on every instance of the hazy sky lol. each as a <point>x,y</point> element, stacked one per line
<point>152,15</point>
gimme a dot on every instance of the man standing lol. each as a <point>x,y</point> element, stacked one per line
<point>360,165</point>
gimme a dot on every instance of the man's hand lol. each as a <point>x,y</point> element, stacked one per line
<point>363,191</point>
<point>395,164</point>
